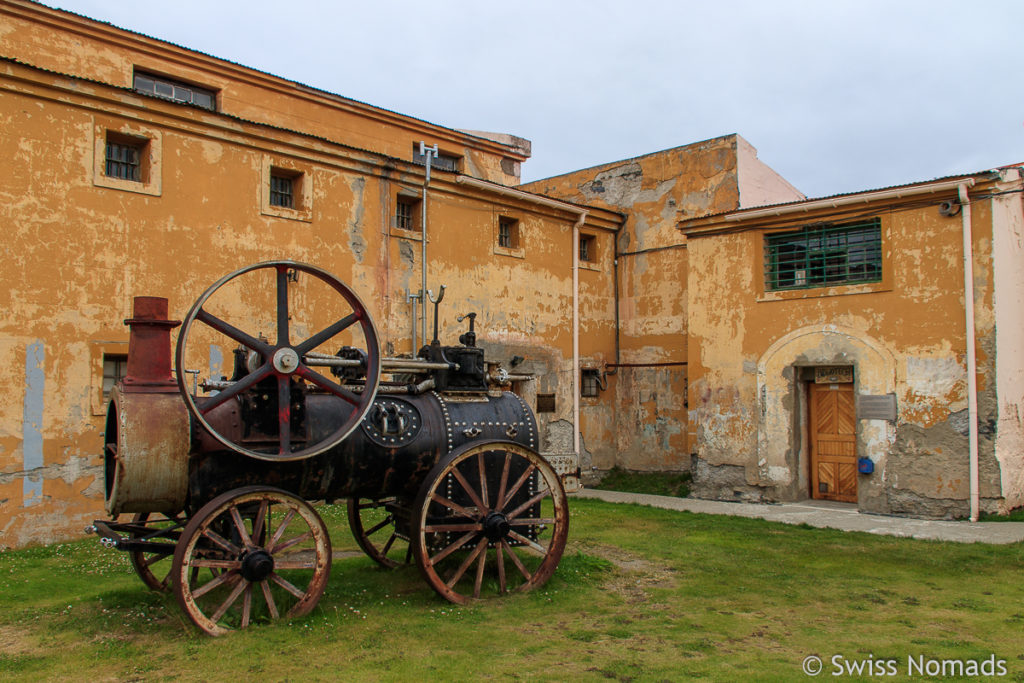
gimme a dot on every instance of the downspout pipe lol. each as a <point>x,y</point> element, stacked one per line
<point>972,360</point>
<point>580,220</point>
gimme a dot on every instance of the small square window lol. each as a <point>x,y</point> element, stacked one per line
<point>590,382</point>
<point>588,248</point>
<point>125,157</point>
<point>407,213</point>
<point>115,367</point>
<point>508,233</point>
<point>282,190</point>
<point>286,191</point>
<point>545,403</point>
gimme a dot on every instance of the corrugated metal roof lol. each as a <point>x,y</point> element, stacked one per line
<point>809,200</point>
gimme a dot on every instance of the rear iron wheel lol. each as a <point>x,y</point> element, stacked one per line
<point>154,567</point>
<point>491,517</point>
<point>373,524</point>
<point>250,555</point>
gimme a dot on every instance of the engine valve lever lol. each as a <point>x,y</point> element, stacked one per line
<point>469,338</point>
<point>440,297</point>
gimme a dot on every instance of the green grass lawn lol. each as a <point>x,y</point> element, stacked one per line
<point>642,594</point>
<point>657,483</point>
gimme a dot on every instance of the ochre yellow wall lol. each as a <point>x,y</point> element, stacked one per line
<point>78,251</point>
<point>905,335</point>
<point>655,191</point>
<point>58,41</point>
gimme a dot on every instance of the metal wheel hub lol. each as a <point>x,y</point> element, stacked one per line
<point>257,565</point>
<point>496,526</point>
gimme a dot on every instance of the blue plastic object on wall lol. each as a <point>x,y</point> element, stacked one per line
<point>865,465</point>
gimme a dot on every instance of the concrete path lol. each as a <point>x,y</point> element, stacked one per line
<point>825,514</point>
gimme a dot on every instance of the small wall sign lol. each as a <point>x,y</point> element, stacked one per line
<point>876,407</point>
<point>833,374</point>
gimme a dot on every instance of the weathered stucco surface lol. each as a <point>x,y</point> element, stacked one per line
<point>80,247</point>
<point>903,336</point>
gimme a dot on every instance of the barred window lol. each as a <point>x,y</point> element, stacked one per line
<point>282,191</point>
<point>824,254</point>
<point>124,158</point>
<point>405,213</point>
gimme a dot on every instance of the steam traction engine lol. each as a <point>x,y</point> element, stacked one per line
<point>438,466</point>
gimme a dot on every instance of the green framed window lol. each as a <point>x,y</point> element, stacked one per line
<point>823,255</point>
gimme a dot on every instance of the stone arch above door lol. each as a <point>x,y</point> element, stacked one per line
<point>778,451</point>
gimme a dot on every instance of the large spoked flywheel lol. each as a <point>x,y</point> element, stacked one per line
<point>296,309</point>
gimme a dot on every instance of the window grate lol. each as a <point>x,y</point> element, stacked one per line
<point>281,192</point>
<point>405,214</point>
<point>124,161</point>
<point>823,255</point>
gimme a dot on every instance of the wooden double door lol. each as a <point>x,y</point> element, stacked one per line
<point>833,442</point>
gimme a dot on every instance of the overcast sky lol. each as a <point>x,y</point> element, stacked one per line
<point>837,96</point>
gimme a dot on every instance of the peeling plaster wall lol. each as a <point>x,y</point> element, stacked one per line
<point>1008,271</point>
<point>655,191</point>
<point>904,335</point>
<point>78,251</point>
<point>77,46</point>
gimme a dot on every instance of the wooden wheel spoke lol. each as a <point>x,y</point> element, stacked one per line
<point>452,547</point>
<point>281,528</point>
<point>481,563</point>
<point>516,561</point>
<point>294,564</point>
<point>213,583</point>
<point>438,498</point>
<point>153,559</point>
<point>271,605</point>
<point>535,498</point>
<point>467,526</point>
<point>515,488</point>
<point>390,542</point>
<point>246,605</point>
<point>533,545</point>
<point>500,503</point>
<point>226,605</point>
<point>380,525</point>
<point>222,542</point>
<point>285,584</point>
<point>500,558</point>
<point>468,489</point>
<point>480,547</point>
<point>483,479</point>
<point>281,547</point>
<point>236,517</point>
<point>531,521</point>
<point>216,564</point>
<point>261,519</point>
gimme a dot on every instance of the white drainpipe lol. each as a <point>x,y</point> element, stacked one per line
<point>582,217</point>
<point>972,361</point>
